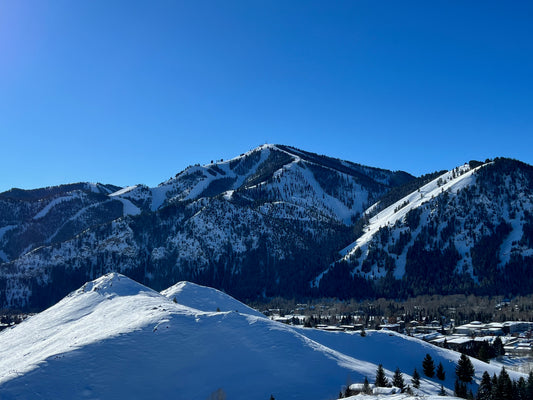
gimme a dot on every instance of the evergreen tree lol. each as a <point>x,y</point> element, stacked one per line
<point>460,389</point>
<point>529,387</point>
<point>416,379</point>
<point>397,380</point>
<point>348,391</point>
<point>483,353</point>
<point>484,391</point>
<point>366,387</point>
<point>495,389</point>
<point>381,379</point>
<point>505,386</point>
<point>498,347</point>
<point>519,389</point>
<point>464,369</point>
<point>441,374</point>
<point>428,366</point>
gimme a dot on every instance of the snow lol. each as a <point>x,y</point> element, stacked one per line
<point>129,208</point>
<point>76,216</point>
<point>116,339</point>
<point>159,195</point>
<point>389,216</point>
<point>507,245</point>
<point>206,299</point>
<point>123,191</point>
<point>401,397</point>
<point>52,204</point>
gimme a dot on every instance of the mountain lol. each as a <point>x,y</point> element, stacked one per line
<point>468,230</point>
<point>278,221</point>
<point>264,223</point>
<point>33,218</point>
<point>116,339</point>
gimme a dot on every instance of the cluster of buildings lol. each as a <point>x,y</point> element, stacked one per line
<point>516,336</point>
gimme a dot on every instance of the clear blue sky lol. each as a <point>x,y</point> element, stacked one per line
<point>130,92</point>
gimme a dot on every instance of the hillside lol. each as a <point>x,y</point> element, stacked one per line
<point>278,221</point>
<point>468,230</point>
<point>114,338</point>
<point>261,224</point>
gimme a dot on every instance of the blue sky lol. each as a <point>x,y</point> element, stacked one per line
<point>130,92</point>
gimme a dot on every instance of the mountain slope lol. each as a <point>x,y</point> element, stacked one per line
<point>115,338</point>
<point>467,230</point>
<point>263,223</point>
<point>33,218</point>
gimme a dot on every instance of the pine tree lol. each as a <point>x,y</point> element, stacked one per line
<point>522,389</point>
<point>460,389</point>
<point>464,369</point>
<point>484,391</point>
<point>498,347</point>
<point>483,354</point>
<point>495,389</point>
<point>348,391</point>
<point>397,380</point>
<point>416,379</point>
<point>428,366</point>
<point>505,386</point>
<point>381,379</point>
<point>529,387</point>
<point>441,374</point>
<point>366,387</point>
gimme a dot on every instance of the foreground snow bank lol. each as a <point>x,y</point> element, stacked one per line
<point>116,339</point>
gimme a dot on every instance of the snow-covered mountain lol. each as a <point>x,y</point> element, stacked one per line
<point>272,221</point>
<point>116,339</point>
<point>468,229</point>
<point>33,218</point>
<point>263,223</point>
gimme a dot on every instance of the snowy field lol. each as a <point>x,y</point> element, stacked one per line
<point>116,339</point>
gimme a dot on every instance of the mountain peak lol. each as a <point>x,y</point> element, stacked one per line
<point>206,299</point>
<point>114,284</point>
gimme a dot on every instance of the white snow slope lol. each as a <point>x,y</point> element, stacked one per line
<point>395,212</point>
<point>117,339</point>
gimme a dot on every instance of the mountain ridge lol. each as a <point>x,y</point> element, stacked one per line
<point>114,338</point>
<point>465,231</point>
<point>271,222</point>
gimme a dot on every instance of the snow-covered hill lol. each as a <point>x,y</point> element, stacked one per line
<point>242,225</point>
<point>116,339</point>
<point>468,229</point>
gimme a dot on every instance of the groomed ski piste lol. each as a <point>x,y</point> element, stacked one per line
<point>117,339</point>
